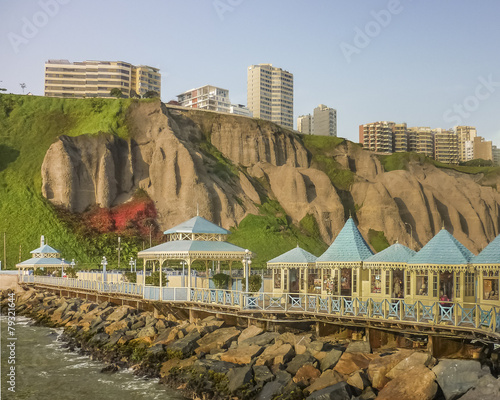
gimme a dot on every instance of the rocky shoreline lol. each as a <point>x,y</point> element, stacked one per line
<point>207,359</point>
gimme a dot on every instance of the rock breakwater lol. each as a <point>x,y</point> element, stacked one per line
<point>209,360</point>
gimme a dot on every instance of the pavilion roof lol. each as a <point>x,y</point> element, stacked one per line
<point>45,249</point>
<point>490,254</point>
<point>194,248</point>
<point>442,249</point>
<point>197,225</point>
<point>294,256</point>
<point>348,246</point>
<point>397,253</point>
<point>43,262</point>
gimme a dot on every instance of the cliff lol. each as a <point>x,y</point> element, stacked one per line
<point>227,166</point>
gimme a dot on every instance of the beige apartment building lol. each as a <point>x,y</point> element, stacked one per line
<point>324,121</point>
<point>304,124</point>
<point>483,148</point>
<point>421,140</point>
<point>98,78</point>
<point>270,94</point>
<point>466,135</point>
<point>206,97</point>
<point>377,136</point>
<point>446,147</point>
<point>400,138</point>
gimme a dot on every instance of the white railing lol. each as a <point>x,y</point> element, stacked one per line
<point>452,314</point>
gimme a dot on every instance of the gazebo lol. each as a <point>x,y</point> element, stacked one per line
<point>487,265</point>
<point>43,257</point>
<point>387,272</point>
<point>341,263</point>
<point>441,269</point>
<point>295,272</point>
<point>196,240</point>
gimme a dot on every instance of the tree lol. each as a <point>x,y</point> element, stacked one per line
<point>71,272</point>
<point>151,94</point>
<point>254,283</point>
<point>221,281</point>
<point>115,92</point>
<point>154,279</point>
<point>134,95</point>
<point>23,86</point>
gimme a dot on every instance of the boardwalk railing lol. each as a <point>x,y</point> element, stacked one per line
<point>452,314</point>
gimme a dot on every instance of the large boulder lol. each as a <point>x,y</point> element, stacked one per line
<point>262,374</point>
<point>330,359</point>
<point>186,345</point>
<point>261,340</point>
<point>120,313</point>
<point>487,388</point>
<point>298,361</point>
<point>249,332</point>
<point>176,363</point>
<point>238,377</point>
<point>351,362</point>
<point>167,336</point>
<point>306,375</point>
<point>379,367</point>
<point>417,383</point>
<point>455,377</point>
<point>123,324</point>
<point>270,390</point>
<point>327,378</point>
<point>339,391</point>
<point>241,354</point>
<point>221,338</point>
<point>276,354</point>
<point>359,380</point>
<point>358,346</point>
<point>417,358</point>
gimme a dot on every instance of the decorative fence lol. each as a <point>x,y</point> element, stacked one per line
<point>453,314</point>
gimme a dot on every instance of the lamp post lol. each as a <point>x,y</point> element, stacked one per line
<point>62,268</point>
<point>104,262</point>
<point>119,249</point>
<point>131,263</point>
<point>246,262</point>
<point>72,263</point>
<point>183,263</point>
<point>411,235</point>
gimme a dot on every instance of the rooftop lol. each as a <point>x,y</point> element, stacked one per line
<point>295,256</point>
<point>490,254</point>
<point>397,253</point>
<point>197,225</point>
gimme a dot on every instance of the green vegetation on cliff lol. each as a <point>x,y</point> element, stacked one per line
<point>28,126</point>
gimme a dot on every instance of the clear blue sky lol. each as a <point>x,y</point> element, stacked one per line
<point>419,62</point>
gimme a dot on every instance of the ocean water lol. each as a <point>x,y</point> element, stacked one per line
<point>44,370</point>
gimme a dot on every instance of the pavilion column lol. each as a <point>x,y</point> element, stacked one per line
<point>144,278</point>
<point>189,277</point>
<point>207,276</point>
<point>306,278</point>
<point>161,273</point>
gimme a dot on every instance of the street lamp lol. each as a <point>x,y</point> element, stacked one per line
<point>246,262</point>
<point>411,234</point>
<point>104,262</point>
<point>72,263</point>
<point>119,249</point>
<point>183,263</point>
<point>62,268</point>
<point>131,263</point>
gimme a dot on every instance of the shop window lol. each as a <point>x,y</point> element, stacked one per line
<point>422,283</point>
<point>277,279</point>
<point>376,281</point>
<point>303,282</point>
<point>327,280</point>
<point>387,282</point>
<point>490,285</point>
<point>469,284</point>
<point>434,284</point>
<point>345,282</point>
<point>457,285</point>
<point>446,285</point>
<point>285,280</point>
<point>354,280</point>
<point>408,280</point>
<point>397,283</point>
<point>314,282</point>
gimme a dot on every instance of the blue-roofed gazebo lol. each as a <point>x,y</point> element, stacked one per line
<point>43,257</point>
<point>442,270</point>
<point>487,266</point>
<point>387,272</point>
<point>295,272</point>
<point>195,240</point>
<point>340,265</point>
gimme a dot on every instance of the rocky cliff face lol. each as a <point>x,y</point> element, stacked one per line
<point>226,164</point>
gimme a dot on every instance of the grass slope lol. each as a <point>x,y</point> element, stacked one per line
<point>28,126</point>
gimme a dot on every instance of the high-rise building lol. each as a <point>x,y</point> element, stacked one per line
<point>377,136</point>
<point>483,149</point>
<point>304,124</point>
<point>466,135</point>
<point>400,138</point>
<point>98,78</point>
<point>496,155</point>
<point>421,140</point>
<point>207,98</point>
<point>446,147</point>
<point>270,94</point>
<point>240,109</point>
<point>324,121</point>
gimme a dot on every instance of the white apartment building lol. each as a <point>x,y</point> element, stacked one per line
<point>304,124</point>
<point>466,135</point>
<point>240,109</point>
<point>324,121</point>
<point>206,97</point>
<point>270,94</point>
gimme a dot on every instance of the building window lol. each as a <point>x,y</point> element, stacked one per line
<point>469,284</point>
<point>397,283</point>
<point>422,283</point>
<point>376,281</point>
<point>327,280</point>
<point>303,279</point>
<point>314,281</point>
<point>285,280</point>
<point>354,280</point>
<point>457,284</point>
<point>277,279</point>
<point>408,280</point>
<point>434,284</point>
<point>490,285</point>
<point>387,282</point>
<point>345,281</point>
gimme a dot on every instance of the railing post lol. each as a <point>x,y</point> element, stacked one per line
<point>286,301</point>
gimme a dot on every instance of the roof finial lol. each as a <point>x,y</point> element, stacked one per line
<point>42,240</point>
<point>350,214</point>
<point>297,243</point>
<point>443,225</point>
<point>197,209</point>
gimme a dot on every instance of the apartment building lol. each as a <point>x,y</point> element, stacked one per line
<point>240,109</point>
<point>98,78</point>
<point>496,155</point>
<point>400,138</point>
<point>421,140</point>
<point>377,136</point>
<point>466,135</point>
<point>446,148</point>
<point>483,148</point>
<point>304,124</point>
<point>324,121</point>
<point>206,97</point>
<point>270,94</point>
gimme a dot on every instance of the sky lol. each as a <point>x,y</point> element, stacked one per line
<point>423,62</point>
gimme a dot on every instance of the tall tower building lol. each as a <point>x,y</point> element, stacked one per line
<point>304,124</point>
<point>466,135</point>
<point>324,121</point>
<point>270,94</point>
